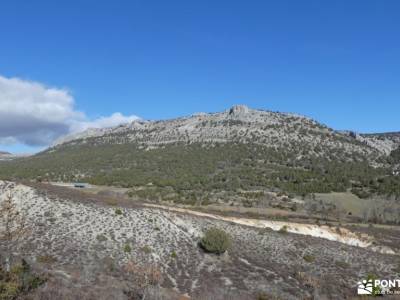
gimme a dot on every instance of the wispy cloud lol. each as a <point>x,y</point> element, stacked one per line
<point>36,115</point>
<point>103,122</point>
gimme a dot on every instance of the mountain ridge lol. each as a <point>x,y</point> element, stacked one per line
<point>239,124</point>
<point>215,154</point>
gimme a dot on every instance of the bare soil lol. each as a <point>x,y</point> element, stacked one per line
<point>86,238</point>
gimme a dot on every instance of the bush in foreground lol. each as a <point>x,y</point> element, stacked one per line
<point>18,281</point>
<point>215,241</point>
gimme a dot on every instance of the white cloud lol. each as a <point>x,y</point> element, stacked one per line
<point>36,115</point>
<point>103,122</point>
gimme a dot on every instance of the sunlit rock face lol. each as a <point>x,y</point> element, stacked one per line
<point>240,124</point>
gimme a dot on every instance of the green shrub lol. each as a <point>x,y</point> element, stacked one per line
<point>265,296</point>
<point>376,290</point>
<point>397,270</point>
<point>118,211</point>
<point>309,258</point>
<point>360,193</point>
<point>284,229</point>
<point>9,290</point>
<point>342,264</point>
<point>216,241</point>
<point>20,280</point>
<point>173,254</point>
<point>46,259</point>
<point>127,248</point>
<point>101,238</point>
<point>338,230</point>
<point>146,249</point>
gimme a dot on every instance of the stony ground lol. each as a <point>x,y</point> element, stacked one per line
<point>82,241</point>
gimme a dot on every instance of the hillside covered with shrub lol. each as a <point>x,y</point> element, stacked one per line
<point>233,151</point>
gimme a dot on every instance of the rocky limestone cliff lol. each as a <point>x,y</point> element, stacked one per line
<point>241,124</point>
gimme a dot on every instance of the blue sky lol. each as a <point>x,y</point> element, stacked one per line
<point>335,61</point>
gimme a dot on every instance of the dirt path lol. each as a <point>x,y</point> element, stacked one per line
<point>341,235</point>
<point>333,233</point>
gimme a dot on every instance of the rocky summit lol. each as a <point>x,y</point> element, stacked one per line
<point>239,149</point>
<point>241,124</point>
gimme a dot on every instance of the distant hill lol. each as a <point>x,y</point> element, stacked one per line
<point>240,149</point>
<point>241,124</point>
<point>5,155</point>
<point>388,141</point>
